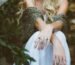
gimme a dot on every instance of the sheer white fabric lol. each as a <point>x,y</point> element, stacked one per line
<point>45,56</point>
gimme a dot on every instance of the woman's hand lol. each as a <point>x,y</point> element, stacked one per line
<point>58,53</point>
<point>44,37</point>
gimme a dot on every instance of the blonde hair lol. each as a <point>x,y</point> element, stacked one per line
<point>51,7</point>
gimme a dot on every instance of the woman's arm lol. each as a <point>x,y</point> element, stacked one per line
<point>62,10</point>
<point>58,24</point>
<point>39,23</point>
<point>55,25</point>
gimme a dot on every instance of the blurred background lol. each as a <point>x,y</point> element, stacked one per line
<point>10,33</point>
<point>71,30</point>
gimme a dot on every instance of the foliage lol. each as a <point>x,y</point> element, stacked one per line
<point>11,38</point>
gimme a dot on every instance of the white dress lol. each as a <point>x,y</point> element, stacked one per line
<point>44,56</point>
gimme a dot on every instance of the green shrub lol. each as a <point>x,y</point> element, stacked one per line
<point>11,38</point>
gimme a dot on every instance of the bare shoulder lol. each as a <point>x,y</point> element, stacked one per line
<point>64,1</point>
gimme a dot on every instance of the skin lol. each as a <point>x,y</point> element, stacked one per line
<point>47,35</point>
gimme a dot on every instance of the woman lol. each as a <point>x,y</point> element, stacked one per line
<point>47,46</point>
